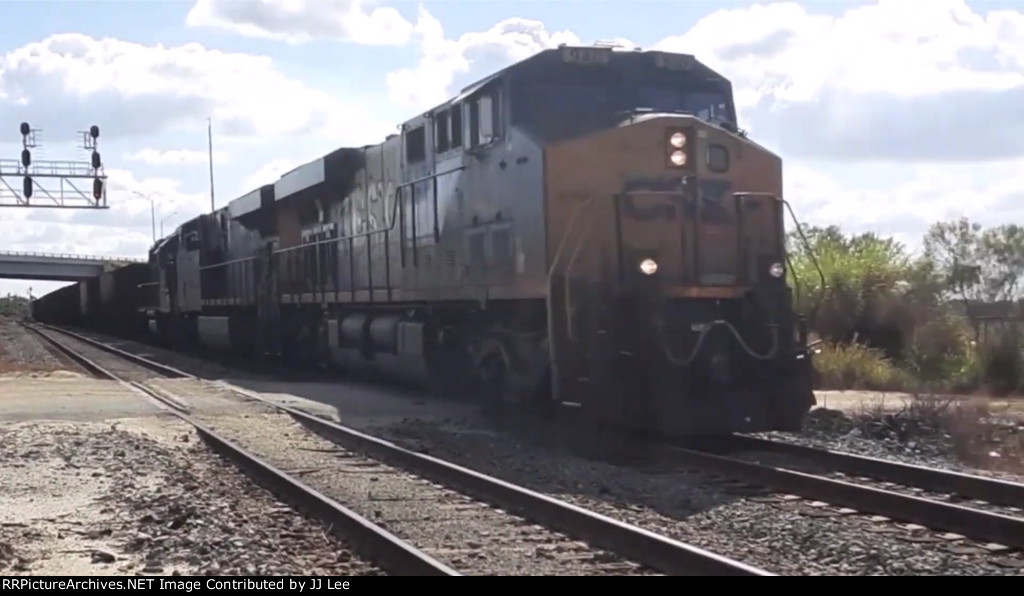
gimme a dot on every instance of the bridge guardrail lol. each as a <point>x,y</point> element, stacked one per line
<point>51,255</point>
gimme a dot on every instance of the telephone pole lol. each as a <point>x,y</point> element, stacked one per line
<point>209,136</point>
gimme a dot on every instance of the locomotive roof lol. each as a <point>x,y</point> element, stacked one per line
<point>327,168</point>
<point>625,58</point>
<point>335,168</point>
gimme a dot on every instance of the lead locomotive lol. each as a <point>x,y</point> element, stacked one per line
<point>586,229</point>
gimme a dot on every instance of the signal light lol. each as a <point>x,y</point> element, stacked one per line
<point>25,129</point>
<point>97,188</point>
<point>26,187</point>
<point>94,131</point>
<point>96,160</point>
<point>26,157</point>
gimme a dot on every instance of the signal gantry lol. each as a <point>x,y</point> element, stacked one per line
<point>26,182</point>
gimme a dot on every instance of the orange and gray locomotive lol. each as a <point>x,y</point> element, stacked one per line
<point>585,229</point>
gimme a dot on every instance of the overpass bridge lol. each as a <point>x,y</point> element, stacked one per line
<point>57,267</point>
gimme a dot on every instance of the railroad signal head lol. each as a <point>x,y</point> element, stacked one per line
<point>96,163</point>
<point>26,157</point>
<point>26,187</point>
<point>97,188</point>
<point>94,131</point>
<point>25,129</point>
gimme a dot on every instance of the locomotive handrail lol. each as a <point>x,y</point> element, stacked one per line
<point>231,262</point>
<point>554,266</point>
<point>810,254</point>
<point>394,213</point>
<point>589,223</point>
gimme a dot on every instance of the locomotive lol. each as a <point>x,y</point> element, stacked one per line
<point>587,229</point>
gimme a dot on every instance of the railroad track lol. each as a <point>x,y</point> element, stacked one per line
<point>998,528</point>
<point>456,500</point>
<point>956,484</point>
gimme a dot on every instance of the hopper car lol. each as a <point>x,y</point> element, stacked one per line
<point>586,230</point>
<point>107,303</point>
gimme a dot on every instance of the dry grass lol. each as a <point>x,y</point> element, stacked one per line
<point>855,366</point>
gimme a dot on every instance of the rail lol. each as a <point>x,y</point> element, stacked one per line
<point>659,552</point>
<point>74,257</point>
<point>369,539</point>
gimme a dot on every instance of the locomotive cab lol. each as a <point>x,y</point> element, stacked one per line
<point>668,305</point>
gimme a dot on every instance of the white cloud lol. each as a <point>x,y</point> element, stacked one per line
<point>449,64</point>
<point>298,21</point>
<point>919,196</point>
<point>176,157</point>
<point>269,173</point>
<point>894,80</point>
<point>899,79</point>
<point>71,80</point>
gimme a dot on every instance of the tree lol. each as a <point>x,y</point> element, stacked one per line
<point>977,264</point>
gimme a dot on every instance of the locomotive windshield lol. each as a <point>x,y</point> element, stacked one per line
<point>570,106</point>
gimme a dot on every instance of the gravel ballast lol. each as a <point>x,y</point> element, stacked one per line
<point>470,536</point>
<point>145,496</point>
<point>21,352</point>
<point>774,532</point>
<point>963,439</point>
<point>788,536</point>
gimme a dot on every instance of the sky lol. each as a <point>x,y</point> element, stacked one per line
<point>888,115</point>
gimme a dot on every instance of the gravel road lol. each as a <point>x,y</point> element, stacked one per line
<point>145,496</point>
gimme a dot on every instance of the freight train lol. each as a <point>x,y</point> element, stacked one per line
<point>587,229</point>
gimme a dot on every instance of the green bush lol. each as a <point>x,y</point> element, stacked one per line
<point>895,321</point>
<point>1002,362</point>
<point>941,353</point>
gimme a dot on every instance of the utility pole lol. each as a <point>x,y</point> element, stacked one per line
<point>209,135</point>
<point>152,211</point>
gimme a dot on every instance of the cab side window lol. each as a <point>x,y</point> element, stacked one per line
<point>484,115</point>
<point>416,145</point>
<point>442,140</point>
<point>448,129</point>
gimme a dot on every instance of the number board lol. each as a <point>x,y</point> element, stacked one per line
<point>586,55</point>
<point>674,61</point>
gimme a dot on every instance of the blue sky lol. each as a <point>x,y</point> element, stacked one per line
<point>888,115</point>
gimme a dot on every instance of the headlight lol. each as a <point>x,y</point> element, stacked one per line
<point>777,270</point>
<point>677,140</point>
<point>678,158</point>
<point>648,267</point>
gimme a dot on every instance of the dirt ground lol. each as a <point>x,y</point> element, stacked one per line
<point>855,401</point>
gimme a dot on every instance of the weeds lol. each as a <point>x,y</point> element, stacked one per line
<point>892,322</point>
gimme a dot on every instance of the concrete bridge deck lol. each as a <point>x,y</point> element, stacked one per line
<point>56,267</point>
